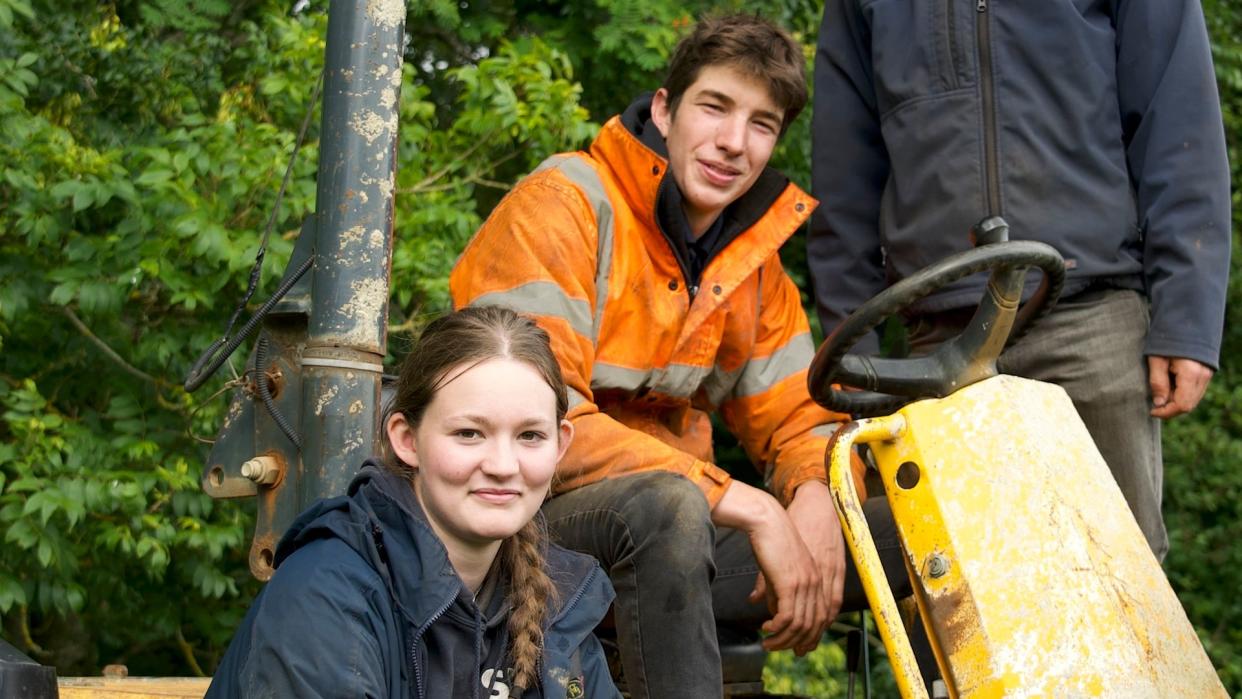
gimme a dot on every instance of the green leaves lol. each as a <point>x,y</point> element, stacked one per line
<point>143,145</point>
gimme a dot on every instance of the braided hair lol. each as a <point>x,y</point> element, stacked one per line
<point>472,336</point>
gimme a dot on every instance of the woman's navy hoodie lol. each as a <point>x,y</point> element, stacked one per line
<point>364,603</point>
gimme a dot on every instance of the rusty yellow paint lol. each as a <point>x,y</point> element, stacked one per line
<point>132,687</point>
<point>862,548</point>
<point>1031,575</point>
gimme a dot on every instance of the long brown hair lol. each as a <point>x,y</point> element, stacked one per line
<point>471,336</point>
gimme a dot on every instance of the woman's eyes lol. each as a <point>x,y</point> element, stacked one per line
<point>526,436</point>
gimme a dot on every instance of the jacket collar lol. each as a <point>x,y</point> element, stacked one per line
<point>766,216</point>
<point>381,519</point>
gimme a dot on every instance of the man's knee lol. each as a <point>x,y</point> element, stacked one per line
<point>657,514</point>
<point>668,514</point>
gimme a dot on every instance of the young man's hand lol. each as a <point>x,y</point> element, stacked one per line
<point>789,579</point>
<point>1177,385</point>
<point>815,517</point>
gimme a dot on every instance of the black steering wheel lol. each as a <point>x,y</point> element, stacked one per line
<point>888,384</point>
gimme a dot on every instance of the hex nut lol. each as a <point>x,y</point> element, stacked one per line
<point>264,470</point>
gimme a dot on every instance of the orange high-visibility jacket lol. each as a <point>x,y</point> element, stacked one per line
<point>576,245</point>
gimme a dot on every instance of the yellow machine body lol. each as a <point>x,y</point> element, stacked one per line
<point>1031,575</point>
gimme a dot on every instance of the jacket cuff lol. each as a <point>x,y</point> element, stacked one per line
<point>711,479</point>
<point>1163,346</point>
<point>811,472</point>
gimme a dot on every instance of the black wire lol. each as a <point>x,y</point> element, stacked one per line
<point>265,393</point>
<point>195,378</point>
<point>212,360</point>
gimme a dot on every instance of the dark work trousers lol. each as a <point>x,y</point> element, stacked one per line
<point>1091,345</point>
<point>676,575</point>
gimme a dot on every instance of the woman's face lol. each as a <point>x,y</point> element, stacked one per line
<point>485,449</point>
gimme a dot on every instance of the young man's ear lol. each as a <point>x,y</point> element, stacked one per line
<point>401,437</point>
<point>661,114</point>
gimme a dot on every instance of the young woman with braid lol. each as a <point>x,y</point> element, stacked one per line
<point>433,576</point>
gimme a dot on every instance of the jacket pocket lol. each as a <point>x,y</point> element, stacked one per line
<point>919,48</point>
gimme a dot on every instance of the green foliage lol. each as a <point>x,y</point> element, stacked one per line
<point>513,109</point>
<point>144,143</point>
<point>1203,488</point>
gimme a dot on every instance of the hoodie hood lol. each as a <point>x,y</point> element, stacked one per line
<point>380,518</point>
<point>669,212</point>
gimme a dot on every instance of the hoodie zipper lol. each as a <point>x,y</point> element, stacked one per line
<point>988,90</point>
<point>418,636</point>
<point>578,593</point>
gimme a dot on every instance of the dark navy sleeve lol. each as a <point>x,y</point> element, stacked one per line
<point>849,167</point>
<point>316,630</point>
<point>1175,147</point>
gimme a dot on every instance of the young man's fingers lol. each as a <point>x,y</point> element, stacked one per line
<point>759,592</point>
<point>813,608</point>
<point>788,628</point>
<point>778,630</point>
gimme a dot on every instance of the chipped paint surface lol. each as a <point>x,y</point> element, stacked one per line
<point>351,237</point>
<point>386,13</point>
<point>863,551</point>
<point>1051,590</point>
<point>353,441</point>
<point>383,184</point>
<point>235,411</point>
<point>355,407</point>
<point>365,308</point>
<point>377,238</point>
<point>325,398</point>
<point>372,126</point>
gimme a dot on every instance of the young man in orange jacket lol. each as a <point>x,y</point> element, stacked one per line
<point>652,261</point>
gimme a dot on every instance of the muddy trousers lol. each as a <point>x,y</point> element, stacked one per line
<point>677,575</point>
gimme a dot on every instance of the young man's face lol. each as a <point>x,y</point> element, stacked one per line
<point>719,141</point>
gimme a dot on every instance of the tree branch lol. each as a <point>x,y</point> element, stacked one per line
<point>188,651</point>
<point>456,163</point>
<point>108,351</point>
<point>23,621</point>
<point>428,184</point>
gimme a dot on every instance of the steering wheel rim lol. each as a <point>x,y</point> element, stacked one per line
<point>967,358</point>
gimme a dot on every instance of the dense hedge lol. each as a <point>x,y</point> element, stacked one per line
<point>143,146</point>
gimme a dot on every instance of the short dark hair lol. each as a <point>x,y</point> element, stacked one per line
<point>749,43</point>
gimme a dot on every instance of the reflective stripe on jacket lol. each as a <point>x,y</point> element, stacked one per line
<point>576,244</point>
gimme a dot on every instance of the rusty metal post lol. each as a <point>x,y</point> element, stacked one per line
<point>310,412</point>
<point>342,362</point>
